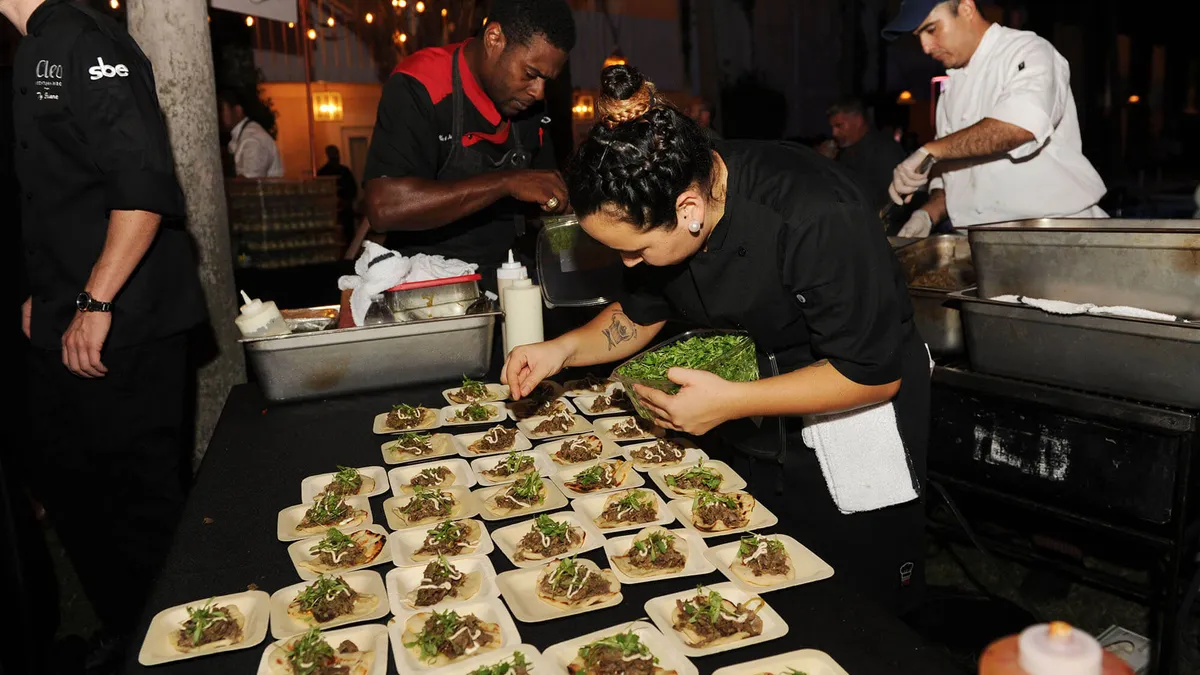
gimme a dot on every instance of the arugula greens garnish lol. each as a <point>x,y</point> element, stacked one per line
<point>477,412</point>
<point>474,389</point>
<point>706,498</point>
<point>528,486</point>
<point>633,500</point>
<point>551,527</point>
<point>423,494</point>
<point>445,532</point>
<point>749,544</point>
<point>707,477</point>
<point>515,461</point>
<point>628,643</point>
<point>335,540</point>
<point>704,606</point>
<point>591,475</point>
<point>309,651</point>
<point>655,544</point>
<point>328,507</point>
<point>323,587</point>
<point>347,478</point>
<point>504,667</point>
<point>204,616</point>
<point>431,638</point>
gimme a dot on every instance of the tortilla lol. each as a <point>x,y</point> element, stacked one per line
<point>493,436</point>
<point>745,507</point>
<point>615,497</point>
<point>471,544</point>
<point>491,502</point>
<point>429,418</point>
<point>491,474</point>
<point>365,487</point>
<point>455,509</point>
<point>370,543</point>
<point>620,469</point>
<point>416,622</point>
<point>594,444</point>
<point>692,638</point>
<point>564,603</point>
<point>439,444</point>
<point>358,663</point>
<point>578,666</point>
<point>356,517</point>
<point>692,491</point>
<point>576,536</point>
<point>234,613</point>
<point>469,588</point>
<point>624,563</point>
<point>747,574</point>
<point>446,481</point>
<point>364,604</point>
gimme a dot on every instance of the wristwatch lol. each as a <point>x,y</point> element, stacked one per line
<point>84,302</point>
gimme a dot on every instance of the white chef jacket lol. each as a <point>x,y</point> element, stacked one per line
<point>255,154</point>
<point>1017,77</point>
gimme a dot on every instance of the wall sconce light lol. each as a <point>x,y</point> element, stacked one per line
<point>584,108</point>
<point>327,106</point>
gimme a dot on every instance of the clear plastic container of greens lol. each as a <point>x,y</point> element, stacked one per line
<point>726,353</point>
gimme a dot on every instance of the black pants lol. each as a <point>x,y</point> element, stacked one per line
<point>882,551</point>
<point>110,454</point>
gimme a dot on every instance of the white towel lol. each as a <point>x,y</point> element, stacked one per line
<point>428,267</point>
<point>378,270</point>
<point>862,457</point>
<point>1071,308</point>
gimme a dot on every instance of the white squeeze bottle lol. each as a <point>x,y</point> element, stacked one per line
<point>507,274</point>
<point>260,319</point>
<point>523,316</point>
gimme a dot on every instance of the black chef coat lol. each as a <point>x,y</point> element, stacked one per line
<point>89,139</point>
<point>872,159</point>
<point>414,136</point>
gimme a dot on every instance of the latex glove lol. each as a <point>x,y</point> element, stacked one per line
<point>907,177</point>
<point>919,224</point>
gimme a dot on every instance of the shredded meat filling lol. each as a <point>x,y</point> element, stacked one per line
<point>578,450</point>
<point>438,582</point>
<point>536,542</point>
<point>711,513</point>
<point>609,661</point>
<point>644,512</point>
<point>496,438</point>
<point>222,629</point>
<point>560,422</point>
<point>431,477</point>
<point>659,453</point>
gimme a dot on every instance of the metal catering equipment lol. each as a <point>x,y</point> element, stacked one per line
<point>428,295</point>
<point>573,269</point>
<point>934,267</point>
<point>326,362</point>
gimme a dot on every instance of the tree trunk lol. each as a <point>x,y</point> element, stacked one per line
<point>174,34</point>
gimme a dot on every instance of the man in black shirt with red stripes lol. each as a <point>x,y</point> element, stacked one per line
<point>462,143</point>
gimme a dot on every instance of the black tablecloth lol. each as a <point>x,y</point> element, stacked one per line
<point>259,454</point>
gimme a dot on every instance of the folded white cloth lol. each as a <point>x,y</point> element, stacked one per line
<point>429,267</point>
<point>378,270</point>
<point>1070,308</point>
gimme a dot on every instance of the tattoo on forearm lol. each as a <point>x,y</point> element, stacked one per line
<point>819,364</point>
<point>620,330</point>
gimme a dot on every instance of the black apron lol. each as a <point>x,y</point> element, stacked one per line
<point>486,236</point>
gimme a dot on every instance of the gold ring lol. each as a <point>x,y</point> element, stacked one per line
<point>552,203</point>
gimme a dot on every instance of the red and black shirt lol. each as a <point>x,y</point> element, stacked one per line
<point>414,137</point>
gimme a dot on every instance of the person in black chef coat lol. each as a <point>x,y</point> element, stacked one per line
<point>773,239</point>
<point>462,142</point>
<point>113,291</point>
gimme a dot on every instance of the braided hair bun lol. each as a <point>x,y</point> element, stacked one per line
<point>640,156</point>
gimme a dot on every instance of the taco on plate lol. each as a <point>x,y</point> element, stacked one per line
<point>441,638</point>
<point>573,583</point>
<point>655,552</point>
<point>330,599</point>
<point>209,627</point>
<point>708,620</point>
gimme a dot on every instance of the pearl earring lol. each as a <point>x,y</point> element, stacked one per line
<point>694,227</point>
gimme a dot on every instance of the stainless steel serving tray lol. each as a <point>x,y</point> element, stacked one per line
<point>1151,264</point>
<point>366,358</point>
<point>939,324</point>
<point>1153,361</point>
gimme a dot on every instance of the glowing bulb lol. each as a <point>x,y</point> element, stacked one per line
<point>312,34</point>
<point>291,24</point>
<point>1135,98</point>
<point>370,17</point>
<point>404,37</point>
<point>906,95</point>
<point>330,21</point>
<point>420,7</point>
<point>395,3</point>
<point>403,4</point>
<point>249,21</point>
<point>115,4</point>
<point>444,12</point>
<point>485,20</point>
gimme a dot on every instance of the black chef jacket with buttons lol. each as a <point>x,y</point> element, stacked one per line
<point>90,139</point>
<point>799,260</point>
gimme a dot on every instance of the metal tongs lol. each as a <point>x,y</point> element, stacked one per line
<point>885,214</point>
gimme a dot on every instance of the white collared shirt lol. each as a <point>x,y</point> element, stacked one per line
<point>255,154</point>
<point>1017,77</point>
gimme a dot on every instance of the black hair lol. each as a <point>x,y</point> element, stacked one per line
<point>231,97</point>
<point>848,106</point>
<point>522,19</point>
<point>331,150</point>
<point>640,156</point>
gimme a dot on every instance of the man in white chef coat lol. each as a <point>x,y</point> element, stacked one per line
<point>1008,145</point>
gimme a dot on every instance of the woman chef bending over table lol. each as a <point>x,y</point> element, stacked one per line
<point>773,239</point>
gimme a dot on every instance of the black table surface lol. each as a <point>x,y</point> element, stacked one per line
<point>261,451</point>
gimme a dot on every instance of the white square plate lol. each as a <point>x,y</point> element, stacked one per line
<point>298,551</point>
<point>730,482</point>
<point>581,426</point>
<point>809,661</point>
<point>448,413</point>
<point>691,454</point>
<point>697,561</point>
<point>555,499</point>
<point>543,464</point>
<point>157,649</point>
<point>403,580</point>
<point>362,581</point>
<point>289,518</point>
<point>809,567</point>
<point>372,635</point>
<point>585,403</point>
<point>632,479</point>
<point>514,406</point>
<point>433,420</point>
<point>507,537</point>
<point>562,654</point>
<point>465,507</point>
<point>464,441</point>
<point>576,388</point>
<point>590,507</point>
<point>608,450</point>
<point>407,542</point>
<point>490,610</point>
<point>401,477</point>
<point>520,593</point>
<point>659,610</point>
<point>310,487</point>
<point>497,392</point>
<point>537,663</point>
<point>760,517</point>
<point>441,444</point>
<point>604,430</point>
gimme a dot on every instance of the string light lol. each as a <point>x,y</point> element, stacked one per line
<point>312,34</point>
<point>404,37</point>
<point>370,17</point>
<point>485,20</point>
<point>1135,98</point>
<point>420,7</point>
<point>115,4</point>
<point>395,3</point>
<point>403,4</point>
<point>330,21</point>
<point>444,12</point>
<point>249,21</point>
<point>291,24</point>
